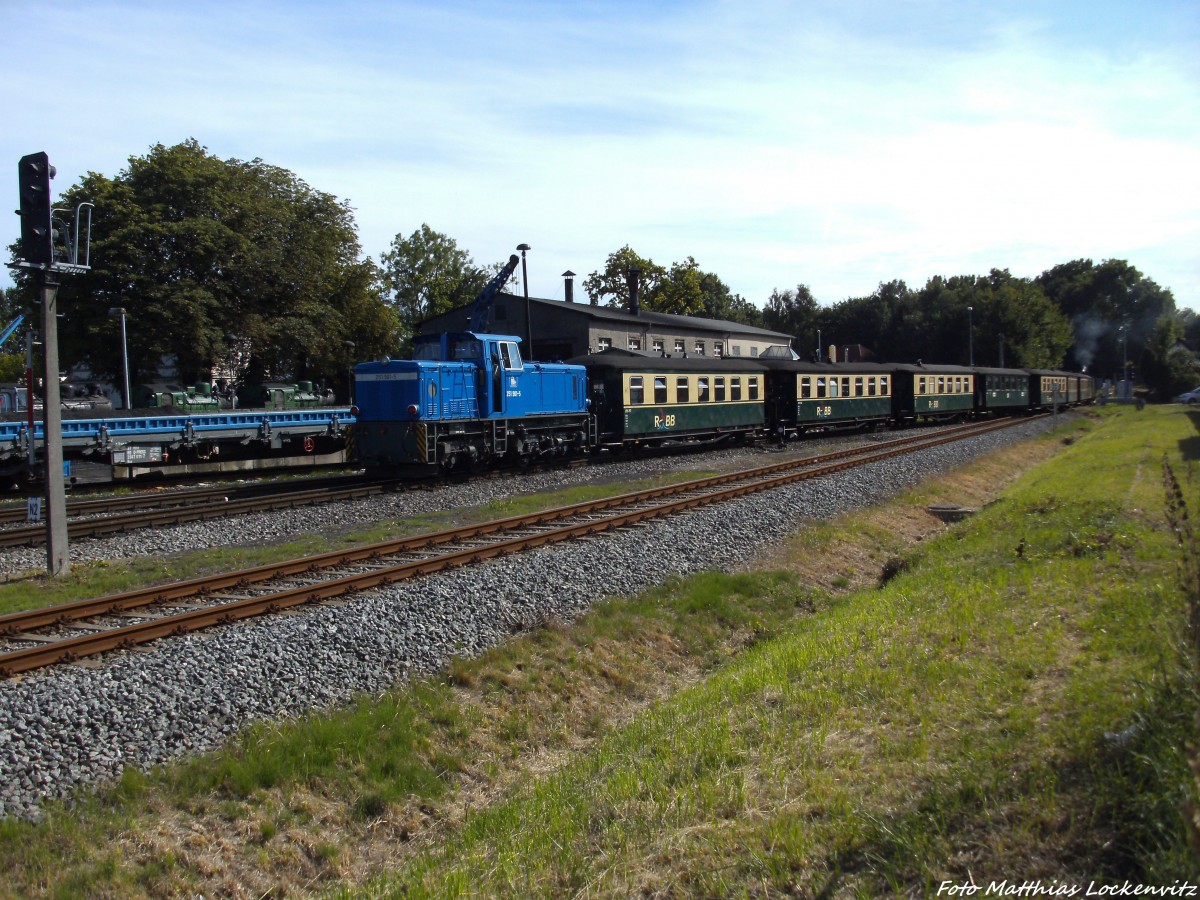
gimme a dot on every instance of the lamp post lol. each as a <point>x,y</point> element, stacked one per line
<point>818,345</point>
<point>120,311</point>
<point>349,345</point>
<point>1125,362</point>
<point>525,286</point>
<point>970,336</point>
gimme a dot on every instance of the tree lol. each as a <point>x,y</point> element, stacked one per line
<point>613,282</point>
<point>205,254</point>
<point>1102,299</point>
<point>427,274</point>
<point>793,312</point>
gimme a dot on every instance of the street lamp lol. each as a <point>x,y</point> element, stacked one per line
<point>120,311</point>
<point>1125,390</point>
<point>818,345</point>
<point>349,345</point>
<point>525,285</point>
<point>970,337</point>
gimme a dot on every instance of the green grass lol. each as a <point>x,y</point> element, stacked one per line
<point>1014,703</point>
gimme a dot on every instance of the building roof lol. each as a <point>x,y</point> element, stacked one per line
<point>624,317</point>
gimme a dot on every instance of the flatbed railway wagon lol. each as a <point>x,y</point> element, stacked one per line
<point>647,399</point>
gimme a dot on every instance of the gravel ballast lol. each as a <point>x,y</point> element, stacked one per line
<point>78,725</point>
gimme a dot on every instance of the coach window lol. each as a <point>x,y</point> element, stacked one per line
<point>941,384</point>
<point>921,385</point>
<point>637,392</point>
<point>719,388</point>
<point>871,386</point>
<point>858,387</point>
<point>702,389</point>
<point>805,387</point>
<point>735,389</point>
<point>660,388</point>
<point>753,385</point>
<point>681,389</point>
<point>883,385</point>
<point>821,392</point>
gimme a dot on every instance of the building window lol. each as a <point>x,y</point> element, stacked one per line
<point>754,351</point>
<point>737,349</point>
<point>604,343</point>
<point>699,348</point>
<point>658,347</point>
<point>679,346</point>
<point>718,349</point>
<point>635,343</point>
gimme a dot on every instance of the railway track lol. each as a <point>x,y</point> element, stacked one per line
<point>89,627</point>
<point>111,515</point>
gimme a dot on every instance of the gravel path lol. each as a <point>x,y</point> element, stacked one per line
<point>79,725</point>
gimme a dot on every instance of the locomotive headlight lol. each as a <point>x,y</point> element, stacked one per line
<point>413,409</point>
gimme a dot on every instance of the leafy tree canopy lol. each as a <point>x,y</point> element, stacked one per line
<point>205,253</point>
<point>612,282</point>
<point>426,274</point>
<point>794,312</point>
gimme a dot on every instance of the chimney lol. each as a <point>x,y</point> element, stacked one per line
<point>569,286</point>
<point>631,280</point>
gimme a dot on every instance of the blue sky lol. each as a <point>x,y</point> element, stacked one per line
<point>831,144</point>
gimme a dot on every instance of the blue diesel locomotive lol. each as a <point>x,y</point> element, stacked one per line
<point>468,401</point>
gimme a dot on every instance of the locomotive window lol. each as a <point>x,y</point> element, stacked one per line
<point>510,354</point>
<point>735,389</point>
<point>821,393</point>
<point>637,391</point>
<point>753,386</point>
<point>719,388</point>
<point>858,387</point>
<point>660,388</point>
<point>702,389</point>
<point>805,387</point>
<point>681,389</point>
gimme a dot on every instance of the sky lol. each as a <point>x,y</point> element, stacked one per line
<point>837,145</point>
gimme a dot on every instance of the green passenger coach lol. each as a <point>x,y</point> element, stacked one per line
<point>806,396</point>
<point>642,398</point>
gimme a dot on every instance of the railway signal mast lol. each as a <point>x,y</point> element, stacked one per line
<point>47,260</point>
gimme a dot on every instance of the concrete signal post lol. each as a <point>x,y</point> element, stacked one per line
<point>46,260</point>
